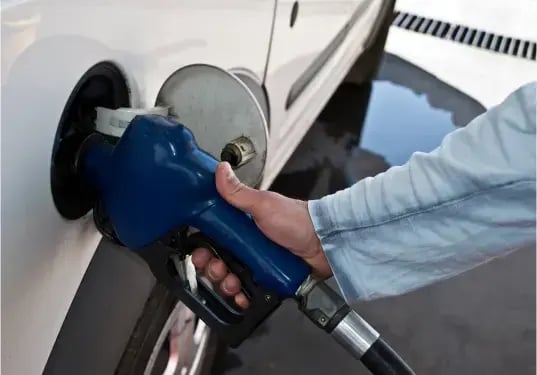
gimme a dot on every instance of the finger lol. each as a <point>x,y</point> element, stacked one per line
<point>201,257</point>
<point>234,191</point>
<point>242,301</point>
<point>216,270</point>
<point>231,285</point>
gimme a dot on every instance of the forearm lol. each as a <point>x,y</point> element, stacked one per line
<point>468,201</point>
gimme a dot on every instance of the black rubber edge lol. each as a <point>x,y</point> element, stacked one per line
<point>102,85</point>
<point>381,359</point>
<point>337,318</point>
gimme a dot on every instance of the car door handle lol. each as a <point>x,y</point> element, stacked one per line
<point>294,14</point>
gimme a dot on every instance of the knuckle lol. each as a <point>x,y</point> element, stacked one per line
<point>236,187</point>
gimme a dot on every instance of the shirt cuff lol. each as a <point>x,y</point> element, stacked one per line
<point>325,225</point>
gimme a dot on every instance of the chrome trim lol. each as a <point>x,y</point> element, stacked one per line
<point>306,286</point>
<point>355,334</point>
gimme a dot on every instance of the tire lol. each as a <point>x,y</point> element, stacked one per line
<point>366,67</point>
<point>151,328</point>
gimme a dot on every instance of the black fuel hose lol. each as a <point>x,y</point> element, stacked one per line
<point>328,311</point>
<point>361,340</point>
<point>381,359</point>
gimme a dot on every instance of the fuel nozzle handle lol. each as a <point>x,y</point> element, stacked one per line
<point>324,307</point>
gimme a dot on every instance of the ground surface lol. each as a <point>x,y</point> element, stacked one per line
<point>480,323</point>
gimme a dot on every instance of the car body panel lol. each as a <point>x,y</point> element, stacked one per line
<point>44,257</point>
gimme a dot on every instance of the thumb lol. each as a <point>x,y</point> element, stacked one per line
<point>233,191</point>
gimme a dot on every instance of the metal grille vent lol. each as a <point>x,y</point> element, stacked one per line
<point>524,49</point>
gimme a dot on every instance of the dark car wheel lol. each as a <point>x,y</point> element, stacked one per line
<point>169,340</point>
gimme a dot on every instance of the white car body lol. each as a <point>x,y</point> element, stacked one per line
<point>48,45</point>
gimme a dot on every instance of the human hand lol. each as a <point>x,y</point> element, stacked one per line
<point>284,220</point>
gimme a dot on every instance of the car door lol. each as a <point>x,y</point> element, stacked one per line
<point>47,47</point>
<point>305,33</point>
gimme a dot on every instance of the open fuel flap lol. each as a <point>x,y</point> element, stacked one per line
<point>221,111</point>
<point>224,115</point>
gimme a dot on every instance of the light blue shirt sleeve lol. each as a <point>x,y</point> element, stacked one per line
<point>442,213</point>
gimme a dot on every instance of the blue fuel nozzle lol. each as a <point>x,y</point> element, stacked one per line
<point>157,179</point>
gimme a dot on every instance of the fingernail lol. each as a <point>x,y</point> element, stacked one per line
<point>225,286</point>
<point>230,175</point>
